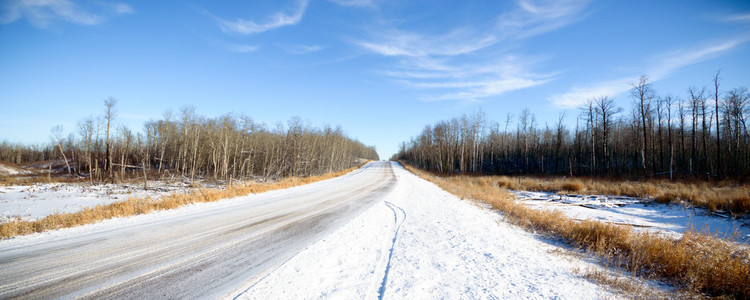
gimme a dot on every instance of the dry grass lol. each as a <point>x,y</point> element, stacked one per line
<point>628,286</point>
<point>729,196</point>
<point>696,263</point>
<point>136,206</point>
<point>37,178</point>
<point>573,186</point>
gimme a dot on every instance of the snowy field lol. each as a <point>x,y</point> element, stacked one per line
<point>40,200</point>
<point>641,214</point>
<point>424,243</point>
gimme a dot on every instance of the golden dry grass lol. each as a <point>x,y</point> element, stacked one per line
<point>136,206</point>
<point>696,263</point>
<point>630,287</point>
<point>730,196</point>
<point>29,179</point>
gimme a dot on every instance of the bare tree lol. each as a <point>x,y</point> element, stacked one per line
<point>86,130</point>
<point>606,109</point>
<point>718,133</point>
<point>109,114</point>
<point>682,112</point>
<point>698,104</point>
<point>668,103</point>
<point>57,136</point>
<point>643,94</point>
<point>587,112</point>
<point>696,101</point>
<point>559,140</point>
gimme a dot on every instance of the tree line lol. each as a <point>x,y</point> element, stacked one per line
<point>190,145</point>
<point>701,135</point>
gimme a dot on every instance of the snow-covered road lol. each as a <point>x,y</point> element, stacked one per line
<point>197,251</point>
<point>378,232</point>
<point>424,243</point>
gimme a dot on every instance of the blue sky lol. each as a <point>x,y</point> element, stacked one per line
<point>381,69</point>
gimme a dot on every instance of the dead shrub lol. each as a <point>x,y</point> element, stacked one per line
<point>738,202</point>
<point>507,183</point>
<point>647,189</point>
<point>573,186</point>
<point>667,197</point>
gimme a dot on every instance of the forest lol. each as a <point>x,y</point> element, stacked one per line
<point>701,135</point>
<point>192,146</point>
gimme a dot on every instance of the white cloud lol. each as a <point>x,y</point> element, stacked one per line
<point>402,43</point>
<point>302,49</point>
<point>666,64</point>
<point>527,19</point>
<point>434,68</point>
<point>483,89</point>
<point>122,8</point>
<point>243,48</point>
<point>274,21</point>
<point>736,18</point>
<point>40,13</point>
<point>533,17</point>
<point>469,82</point>
<point>431,61</point>
<point>662,67</point>
<point>579,95</point>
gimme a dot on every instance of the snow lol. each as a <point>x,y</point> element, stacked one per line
<point>423,243</point>
<point>40,200</point>
<point>417,242</point>
<point>136,221</point>
<point>7,170</point>
<point>640,213</point>
<point>204,250</point>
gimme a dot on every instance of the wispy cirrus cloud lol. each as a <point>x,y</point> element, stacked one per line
<point>40,13</point>
<point>665,64</point>
<point>579,95</point>
<point>403,43</point>
<point>454,65</point>
<point>736,18</point>
<point>242,48</point>
<point>475,90</point>
<point>535,17</point>
<point>661,67</point>
<point>121,8</point>
<point>302,49</point>
<point>288,17</point>
<point>470,82</point>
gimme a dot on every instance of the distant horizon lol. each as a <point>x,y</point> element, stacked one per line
<point>381,70</point>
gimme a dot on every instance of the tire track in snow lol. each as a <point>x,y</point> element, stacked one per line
<point>393,207</point>
<point>239,295</point>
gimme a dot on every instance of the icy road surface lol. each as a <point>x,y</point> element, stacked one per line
<point>203,251</point>
<point>377,233</point>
